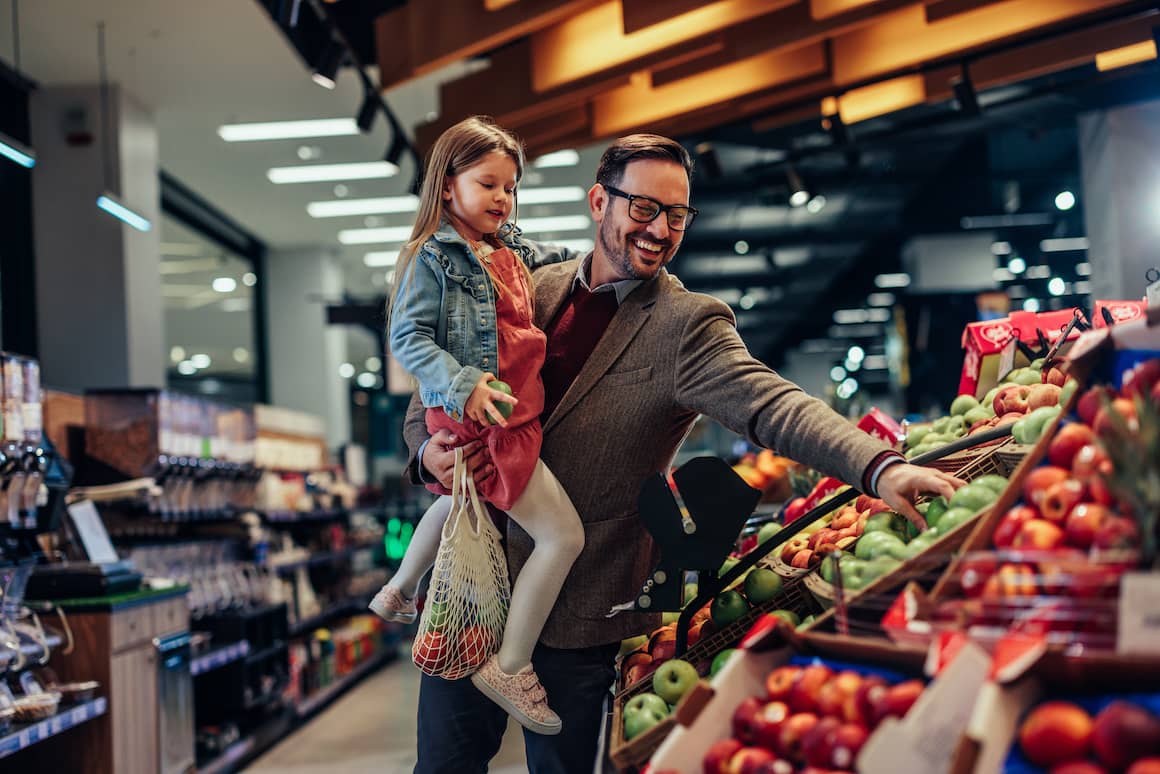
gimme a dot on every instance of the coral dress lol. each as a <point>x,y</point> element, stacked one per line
<point>522,349</point>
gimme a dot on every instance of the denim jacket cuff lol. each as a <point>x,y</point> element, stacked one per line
<point>461,388</point>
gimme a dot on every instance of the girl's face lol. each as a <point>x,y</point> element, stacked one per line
<point>479,199</point>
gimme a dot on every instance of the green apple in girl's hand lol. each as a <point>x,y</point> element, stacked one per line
<point>505,409</point>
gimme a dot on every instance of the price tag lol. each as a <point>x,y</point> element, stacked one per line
<point>1007,358</point>
<point>1153,294</point>
<point>24,738</point>
<point>1139,628</point>
<point>56,726</point>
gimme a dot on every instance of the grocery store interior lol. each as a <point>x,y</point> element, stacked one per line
<point>937,217</point>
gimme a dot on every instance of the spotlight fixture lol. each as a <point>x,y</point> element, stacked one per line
<point>328,64</point>
<point>367,113</point>
<point>798,195</point>
<point>965,94</point>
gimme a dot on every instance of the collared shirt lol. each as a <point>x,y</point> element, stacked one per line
<point>620,287</point>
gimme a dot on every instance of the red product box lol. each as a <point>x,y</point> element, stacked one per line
<point>1051,323</point>
<point>1120,311</point>
<point>983,344</point>
<point>882,426</point>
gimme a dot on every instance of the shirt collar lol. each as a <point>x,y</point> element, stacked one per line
<point>620,287</point>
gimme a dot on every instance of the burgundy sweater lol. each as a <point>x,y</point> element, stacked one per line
<point>572,335</point>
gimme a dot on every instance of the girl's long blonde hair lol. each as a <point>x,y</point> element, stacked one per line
<point>458,149</point>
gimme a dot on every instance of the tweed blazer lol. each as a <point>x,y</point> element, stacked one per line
<point>668,356</point>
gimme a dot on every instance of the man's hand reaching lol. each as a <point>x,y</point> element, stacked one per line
<point>899,485</point>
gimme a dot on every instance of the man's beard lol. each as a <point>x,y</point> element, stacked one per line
<point>618,252</point>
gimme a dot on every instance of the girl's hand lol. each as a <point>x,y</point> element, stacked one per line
<point>481,403</point>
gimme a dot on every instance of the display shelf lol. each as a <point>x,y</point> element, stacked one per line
<point>320,698</point>
<point>292,517</point>
<point>26,736</point>
<point>265,652</point>
<point>219,658</point>
<point>325,557</point>
<point>243,750</point>
<point>307,625</point>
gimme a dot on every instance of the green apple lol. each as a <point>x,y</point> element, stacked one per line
<point>789,616</point>
<point>962,404</point>
<point>762,585</point>
<point>935,509</point>
<point>632,643</point>
<point>437,616</point>
<point>978,414</point>
<point>920,544</point>
<point>669,617</point>
<point>727,607</point>
<point>953,518</point>
<point>505,409</point>
<point>876,568</point>
<point>768,530</point>
<point>879,522</point>
<point>719,660</point>
<point>876,544</point>
<point>989,398</point>
<point>690,592</point>
<point>673,679</point>
<point>645,701</point>
<point>644,717</point>
<point>727,565</point>
<point>827,568</point>
<point>973,497</point>
<point>915,435</point>
<point>992,481</point>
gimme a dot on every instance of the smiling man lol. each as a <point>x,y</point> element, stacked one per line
<point>633,359</point>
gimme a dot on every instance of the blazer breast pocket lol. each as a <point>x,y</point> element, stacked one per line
<point>622,378</point>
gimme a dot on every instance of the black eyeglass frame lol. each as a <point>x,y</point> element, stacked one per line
<point>691,212</point>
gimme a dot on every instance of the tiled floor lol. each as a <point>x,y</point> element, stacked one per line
<point>371,729</point>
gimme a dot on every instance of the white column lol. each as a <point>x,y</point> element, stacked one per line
<point>98,281</point>
<point>304,352</point>
<point>1120,158</point>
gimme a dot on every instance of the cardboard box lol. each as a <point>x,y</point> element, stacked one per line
<point>883,427</point>
<point>983,344</point>
<point>1119,311</point>
<point>764,649</point>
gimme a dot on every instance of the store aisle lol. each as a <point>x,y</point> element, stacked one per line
<point>371,730</point>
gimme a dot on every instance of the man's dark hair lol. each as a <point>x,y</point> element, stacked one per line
<point>636,147</point>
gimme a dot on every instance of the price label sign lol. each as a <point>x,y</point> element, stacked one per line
<point>1139,628</point>
<point>1007,358</point>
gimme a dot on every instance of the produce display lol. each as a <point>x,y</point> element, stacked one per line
<point>767,473</point>
<point>1028,398</point>
<point>808,717</point>
<point>1063,736</point>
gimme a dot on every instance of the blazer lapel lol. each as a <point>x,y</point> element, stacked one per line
<point>626,323</point>
<point>553,287</point>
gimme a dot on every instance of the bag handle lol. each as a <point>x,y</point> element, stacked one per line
<point>465,504</point>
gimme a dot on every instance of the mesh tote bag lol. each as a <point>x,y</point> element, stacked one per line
<point>467,600</point>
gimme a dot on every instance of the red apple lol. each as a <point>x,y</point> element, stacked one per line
<point>815,745</point>
<point>776,766</point>
<point>1089,461</point>
<point>1150,765</point>
<point>779,683</point>
<point>1012,580</point>
<point>1054,376</point>
<point>1056,732</point>
<point>845,744</point>
<point>1099,492</point>
<point>1042,395</point>
<point>975,571</point>
<point>1124,733</point>
<point>1060,498</point>
<point>749,760</point>
<point>766,724</point>
<point>1124,408</point>
<point>744,718</point>
<point>804,696</point>
<point>1067,442</point>
<point>898,699</point>
<point>834,695</point>
<point>793,732</point>
<point>1011,399</point>
<point>1142,379</point>
<point>1084,522</point>
<point>1116,533</point>
<point>1078,767</point>
<point>718,755</point>
<point>869,694</point>
<point>1156,394</point>
<point>1011,523</point>
<point>1039,534</point>
<point>1041,479</point>
<point>1091,401</point>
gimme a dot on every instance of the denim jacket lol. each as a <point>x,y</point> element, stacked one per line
<point>443,324</point>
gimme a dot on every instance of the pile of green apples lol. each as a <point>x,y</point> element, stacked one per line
<point>889,539</point>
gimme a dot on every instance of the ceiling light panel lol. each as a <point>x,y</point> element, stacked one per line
<point>288,130</point>
<point>376,206</point>
<point>315,173</point>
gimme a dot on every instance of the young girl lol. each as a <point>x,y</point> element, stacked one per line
<point>462,316</point>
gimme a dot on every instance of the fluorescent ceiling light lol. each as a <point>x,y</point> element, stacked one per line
<point>1002,274</point>
<point>1064,244</point>
<point>201,360</point>
<point>288,130</point>
<point>225,284</point>
<point>370,236</point>
<point>564,158</point>
<point>1042,271</point>
<point>109,204</point>
<point>554,223</point>
<point>378,206</point>
<point>878,315</point>
<point>1083,269</point>
<point>1083,287</point>
<point>851,316</point>
<point>900,280</point>
<point>314,173</point>
<point>17,151</point>
<point>383,258</point>
<point>1006,221</point>
<point>787,257</point>
<point>880,299</point>
<point>875,363</point>
<point>1001,248</point>
<point>551,195</point>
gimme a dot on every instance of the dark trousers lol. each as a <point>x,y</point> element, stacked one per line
<point>460,729</point>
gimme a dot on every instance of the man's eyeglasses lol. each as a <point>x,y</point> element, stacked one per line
<point>642,209</point>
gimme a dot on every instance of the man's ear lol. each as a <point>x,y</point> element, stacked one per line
<point>597,202</point>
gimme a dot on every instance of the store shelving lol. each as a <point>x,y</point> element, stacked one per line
<point>320,698</point>
<point>250,747</point>
<point>26,736</point>
<point>219,658</point>
<point>344,607</point>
